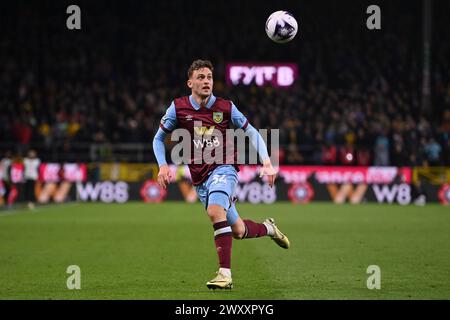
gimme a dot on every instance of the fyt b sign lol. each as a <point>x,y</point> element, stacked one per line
<point>261,74</point>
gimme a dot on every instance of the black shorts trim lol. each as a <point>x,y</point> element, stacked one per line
<point>216,191</point>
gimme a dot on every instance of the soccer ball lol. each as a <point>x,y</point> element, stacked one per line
<point>281,26</point>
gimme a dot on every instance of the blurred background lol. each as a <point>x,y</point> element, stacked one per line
<point>94,97</point>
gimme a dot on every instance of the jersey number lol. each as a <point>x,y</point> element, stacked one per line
<point>219,178</point>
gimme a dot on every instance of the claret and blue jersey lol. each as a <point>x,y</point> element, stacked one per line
<point>214,182</point>
<point>170,120</point>
<point>218,114</point>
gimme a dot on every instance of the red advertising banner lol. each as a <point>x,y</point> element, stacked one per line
<point>74,172</point>
<point>356,175</point>
<point>49,172</point>
<point>55,172</point>
<point>323,174</point>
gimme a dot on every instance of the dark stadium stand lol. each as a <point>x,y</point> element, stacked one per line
<point>98,93</point>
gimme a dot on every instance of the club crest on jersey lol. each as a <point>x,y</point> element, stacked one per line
<point>217,117</point>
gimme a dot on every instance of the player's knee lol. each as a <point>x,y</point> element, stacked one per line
<point>238,230</point>
<point>216,212</point>
<point>238,234</point>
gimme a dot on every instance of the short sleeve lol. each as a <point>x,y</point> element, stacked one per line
<point>169,121</point>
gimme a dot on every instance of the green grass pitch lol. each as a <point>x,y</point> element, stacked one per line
<point>166,251</point>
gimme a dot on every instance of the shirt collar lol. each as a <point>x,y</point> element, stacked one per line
<point>196,106</point>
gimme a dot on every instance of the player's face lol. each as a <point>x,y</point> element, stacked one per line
<point>201,82</point>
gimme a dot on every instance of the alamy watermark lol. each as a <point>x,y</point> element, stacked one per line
<point>74,280</point>
<point>374,280</point>
<point>373,22</point>
<point>73,22</point>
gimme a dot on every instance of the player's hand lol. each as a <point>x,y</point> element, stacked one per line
<point>269,171</point>
<point>164,176</point>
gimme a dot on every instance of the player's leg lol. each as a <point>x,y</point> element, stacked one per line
<point>7,187</point>
<point>222,232</point>
<point>221,185</point>
<point>245,229</point>
<point>248,229</point>
<point>29,184</point>
<point>12,195</point>
<point>223,241</point>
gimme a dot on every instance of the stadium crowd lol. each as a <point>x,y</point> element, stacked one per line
<point>357,100</point>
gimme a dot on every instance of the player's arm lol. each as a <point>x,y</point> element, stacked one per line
<point>168,124</point>
<point>240,121</point>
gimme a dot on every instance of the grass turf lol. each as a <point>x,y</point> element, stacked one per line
<point>166,251</point>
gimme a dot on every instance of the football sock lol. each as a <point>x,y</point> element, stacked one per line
<point>270,231</point>
<point>254,229</point>
<point>225,272</point>
<point>223,240</point>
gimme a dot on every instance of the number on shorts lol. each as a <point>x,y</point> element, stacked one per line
<point>219,178</point>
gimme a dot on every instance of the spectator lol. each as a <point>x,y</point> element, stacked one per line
<point>5,176</point>
<point>399,156</point>
<point>381,151</point>
<point>31,174</point>
<point>363,157</point>
<point>329,154</point>
<point>293,155</point>
<point>433,152</point>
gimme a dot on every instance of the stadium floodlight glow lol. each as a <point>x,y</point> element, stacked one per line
<point>261,74</point>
